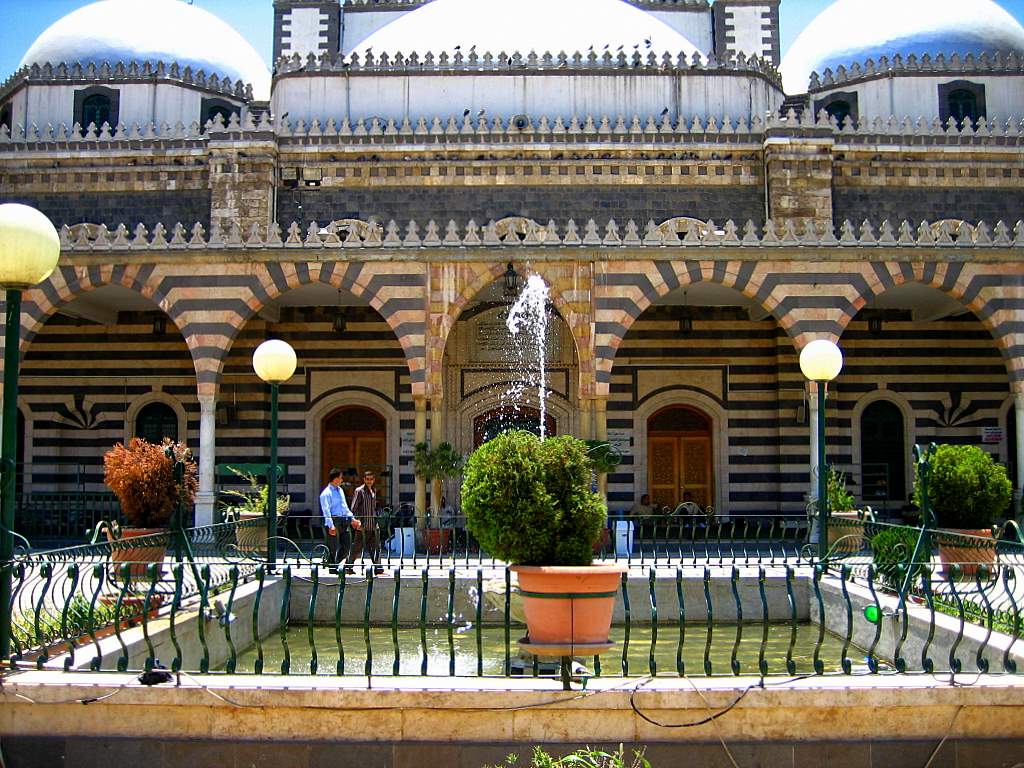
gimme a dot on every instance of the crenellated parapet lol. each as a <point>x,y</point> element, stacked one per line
<point>984,64</point>
<point>125,72</point>
<point>948,234</point>
<point>469,128</point>
<point>531,62</point>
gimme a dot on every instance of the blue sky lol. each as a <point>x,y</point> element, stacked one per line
<point>21,21</point>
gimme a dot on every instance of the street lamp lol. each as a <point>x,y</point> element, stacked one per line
<point>274,362</point>
<point>821,361</point>
<point>29,249</point>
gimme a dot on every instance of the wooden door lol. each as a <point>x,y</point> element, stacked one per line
<point>679,458</point>
<point>663,472</point>
<point>355,440</point>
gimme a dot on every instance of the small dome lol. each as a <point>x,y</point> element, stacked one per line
<point>853,31</point>
<point>157,30</point>
<point>542,26</point>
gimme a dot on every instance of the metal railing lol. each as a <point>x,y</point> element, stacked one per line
<point>80,608</point>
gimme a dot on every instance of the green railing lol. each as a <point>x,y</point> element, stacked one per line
<point>62,515</point>
<point>80,609</point>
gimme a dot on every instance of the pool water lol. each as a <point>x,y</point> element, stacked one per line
<point>470,652</point>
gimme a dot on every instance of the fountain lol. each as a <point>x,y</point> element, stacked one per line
<point>527,325</point>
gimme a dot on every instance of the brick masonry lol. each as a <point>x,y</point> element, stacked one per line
<point>496,202</point>
<point>918,204</point>
<point>113,208</point>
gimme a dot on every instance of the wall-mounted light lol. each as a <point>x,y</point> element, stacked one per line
<point>686,321</point>
<point>511,282</point>
<point>874,325</point>
<point>159,325</point>
<point>340,322</point>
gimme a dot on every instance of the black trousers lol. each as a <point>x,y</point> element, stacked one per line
<point>340,544</point>
<point>367,543</point>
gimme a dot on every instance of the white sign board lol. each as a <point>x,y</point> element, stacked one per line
<point>992,434</point>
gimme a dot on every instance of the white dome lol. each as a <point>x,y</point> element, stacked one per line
<point>851,31</point>
<point>542,26</point>
<point>154,30</point>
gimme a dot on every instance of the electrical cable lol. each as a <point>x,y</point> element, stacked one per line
<point>949,730</point>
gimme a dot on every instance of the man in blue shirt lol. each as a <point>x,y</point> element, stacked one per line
<point>338,519</point>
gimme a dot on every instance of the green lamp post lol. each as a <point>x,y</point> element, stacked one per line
<point>274,361</point>
<point>821,361</point>
<point>29,249</point>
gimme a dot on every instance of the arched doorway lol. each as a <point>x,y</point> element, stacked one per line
<point>883,455</point>
<point>679,451</point>
<point>354,439</point>
<point>489,425</point>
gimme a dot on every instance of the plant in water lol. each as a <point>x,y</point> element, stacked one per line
<point>141,475</point>
<point>253,500</point>
<point>581,758</point>
<point>839,498</point>
<point>966,488</point>
<point>893,548</point>
<point>528,501</point>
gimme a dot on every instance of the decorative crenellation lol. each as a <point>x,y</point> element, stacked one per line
<point>947,233</point>
<point>468,128</point>
<point>126,71</point>
<point>503,62</point>
<point>405,4</point>
<point>995,63</point>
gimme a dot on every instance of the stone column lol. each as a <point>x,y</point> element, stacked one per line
<point>586,422</point>
<point>601,433</point>
<point>421,484</point>
<point>438,432</point>
<point>206,498</point>
<point>798,169</point>
<point>1018,402</point>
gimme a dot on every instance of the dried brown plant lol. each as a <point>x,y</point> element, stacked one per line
<point>142,477</point>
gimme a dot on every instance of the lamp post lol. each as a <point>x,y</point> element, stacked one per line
<point>821,361</point>
<point>29,249</point>
<point>274,362</point>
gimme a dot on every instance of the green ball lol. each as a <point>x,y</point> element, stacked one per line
<point>872,614</point>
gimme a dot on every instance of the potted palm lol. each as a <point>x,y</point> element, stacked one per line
<point>436,465</point>
<point>248,507</point>
<point>528,502</point>
<point>142,477</point>
<point>966,492</point>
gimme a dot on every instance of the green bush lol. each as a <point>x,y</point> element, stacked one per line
<point>528,501</point>
<point>966,488</point>
<point>894,547</point>
<point>839,499</point>
<point>581,758</point>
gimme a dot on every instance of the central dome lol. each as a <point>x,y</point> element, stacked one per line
<point>542,26</point>
<point>156,30</point>
<point>850,31</point>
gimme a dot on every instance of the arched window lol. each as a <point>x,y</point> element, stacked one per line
<point>96,111</point>
<point>95,106</point>
<point>211,108</point>
<point>155,422</point>
<point>882,454</point>
<point>963,105</point>
<point>840,110</point>
<point>962,100</point>
<point>841,105</point>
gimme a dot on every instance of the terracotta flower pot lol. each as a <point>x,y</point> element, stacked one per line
<point>139,556</point>
<point>848,530</point>
<point>966,547</point>
<point>568,605</point>
<point>252,537</point>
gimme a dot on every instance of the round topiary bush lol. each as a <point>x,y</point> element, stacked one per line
<point>528,501</point>
<point>966,488</point>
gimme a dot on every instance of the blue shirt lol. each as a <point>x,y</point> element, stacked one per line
<point>333,504</point>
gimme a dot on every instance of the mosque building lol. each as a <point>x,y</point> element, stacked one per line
<point>699,207</point>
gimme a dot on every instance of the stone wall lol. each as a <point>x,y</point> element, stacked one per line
<point>113,208</point>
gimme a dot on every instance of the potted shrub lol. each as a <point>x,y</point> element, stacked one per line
<point>966,491</point>
<point>528,502</point>
<point>435,466</point>
<point>249,510</point>
<point>892,549</point>
<point>141,475</point>
<point>847,527</point>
